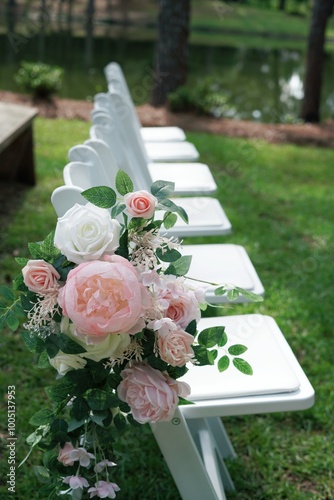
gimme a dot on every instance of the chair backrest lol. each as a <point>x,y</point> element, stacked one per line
<point>85,153</point>
<point>116,81</point>
<point>122,141</point>
<point>83,175</point>
<point>65,197</point>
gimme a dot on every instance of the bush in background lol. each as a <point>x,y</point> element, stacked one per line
<point>42,80</point>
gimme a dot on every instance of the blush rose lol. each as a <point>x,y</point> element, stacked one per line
<point>175,347</point>
<point>40,276</point>
<point>86,233</point>
<point>140,204</point>
<point>103,297</point>
<point>151,395</point>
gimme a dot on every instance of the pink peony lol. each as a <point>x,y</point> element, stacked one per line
<point>175,347</point>
<point>151,395</point>
<point>140,204</point>
<point>103,297</point>
<point>63,455</point>
<point>40,276</point>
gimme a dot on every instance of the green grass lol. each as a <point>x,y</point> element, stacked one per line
<point>279,200</point>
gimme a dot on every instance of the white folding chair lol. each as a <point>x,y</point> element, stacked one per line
<point>65,197</point>
<point>115,77</point>
<point>190,179</point>
<point>194,443</point>
<point>154,151</point>
<point>206,215</point>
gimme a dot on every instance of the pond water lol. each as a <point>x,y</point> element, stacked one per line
<point>260,84</point>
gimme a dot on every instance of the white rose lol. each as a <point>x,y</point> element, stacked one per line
<point>65,362</point>
<point>86,233</point>
<point>112,346</point>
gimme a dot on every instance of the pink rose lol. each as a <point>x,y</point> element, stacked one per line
<point>175,347</point>
<point>40,276</point>
<point>140,204</point>
<point>63,455</point>
<point>151,395</point>
<point>182,305</point>
<point>103,297</point>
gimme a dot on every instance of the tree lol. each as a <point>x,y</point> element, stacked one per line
<point>322,10</point>
<point>171,49</point>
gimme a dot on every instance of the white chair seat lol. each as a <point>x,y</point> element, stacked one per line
<point>192,178</point>
<point>162,134</point>
<point>222,264</point>
<point>194,443</point>
<point>206,218</point>
<point>171,152</point>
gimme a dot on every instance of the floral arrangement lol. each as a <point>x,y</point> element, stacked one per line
<point>106,304</point>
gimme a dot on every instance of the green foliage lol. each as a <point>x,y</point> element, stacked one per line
<point>124,184</point>
<point>206,96</point>
<point>42,80</point>
<point>101,196</point>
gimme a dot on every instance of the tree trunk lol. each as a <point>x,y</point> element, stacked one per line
<point>322,10</point>
<point>281,5</point>
<point>171,49</point>
<point>90,11</point>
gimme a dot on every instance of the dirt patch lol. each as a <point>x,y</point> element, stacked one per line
<point>303,134</point>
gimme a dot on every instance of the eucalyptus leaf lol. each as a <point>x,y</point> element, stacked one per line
<point>169,205</point>
<point>180,267</point>
<point>42,417</point>
<point>168,255</point>
<point>254,297</point>
<point>41,473</point>
<point>162,189</point>
<point>232,294</point>
<point>101,196</point>
<point>169,220</point>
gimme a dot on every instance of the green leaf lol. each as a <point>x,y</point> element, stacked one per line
<point>99,416</point>
<point>60,391</point>
<point>232,294</point>
<point>35,250</point>
<point>75,424</point>
<point>162,189</point>
<point>254,297</point>
<point>168,255</point>
<point>22,261</point>
<point>42,417</point>
<point>243,366</point>
<point>43,360</point>
<point>183,402</point>
<point>202,356</point>
<point>12,320</point>
<point>123,249</point>
<point>223,363</point>
<point>47,246</point>
<point>42,474</point>
<point>67,345</point>
<point>101,400</point>
<point>192,327</point>
<point>80,408</point>
<point>7,293</point>
<point>212,355</point>
<point>123,183</point>
<point>101,196</point>
<point>170,206</point>
<point>120,422</point>
<point>33,344</point>
<point>212,336</point>
<point>180,267</point>
<point>117,209</point>
<point>59,425</point>
<point>169,220</point>
<point>237,349</point>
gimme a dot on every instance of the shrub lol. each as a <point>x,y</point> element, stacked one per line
<point>42,80</point>
<point>205,97</point>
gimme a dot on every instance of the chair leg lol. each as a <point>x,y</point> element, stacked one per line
<point>184,460</point>
<point>213,444</point>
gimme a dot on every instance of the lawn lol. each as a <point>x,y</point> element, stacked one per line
<point>279,200</point>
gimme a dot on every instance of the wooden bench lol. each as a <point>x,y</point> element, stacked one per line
<point>16,143</point>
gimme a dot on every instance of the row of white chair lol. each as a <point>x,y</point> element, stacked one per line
<point>194,444</point>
